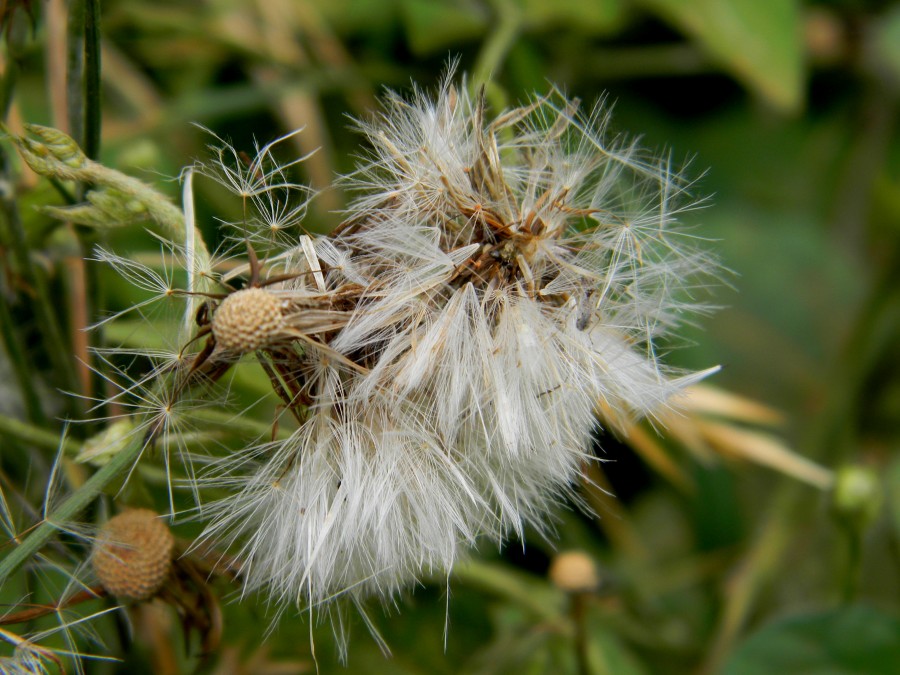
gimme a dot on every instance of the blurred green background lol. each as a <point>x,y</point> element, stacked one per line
<point>786,113</point>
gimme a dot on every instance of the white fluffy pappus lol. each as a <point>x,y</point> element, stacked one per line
<point>575,269</point>
<point>498,286</point>
<point>514,278</point>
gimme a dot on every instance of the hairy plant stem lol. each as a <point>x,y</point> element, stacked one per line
<point>71,507</point>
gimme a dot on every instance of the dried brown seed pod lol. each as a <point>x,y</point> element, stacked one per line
<point>247,320</point>
<point>574,572</point>
<point>133,554</point>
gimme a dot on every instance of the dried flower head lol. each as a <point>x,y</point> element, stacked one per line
<point>247,320</point>
<point>510,279</point>
<point>498,285</point>
<point>133,554</point>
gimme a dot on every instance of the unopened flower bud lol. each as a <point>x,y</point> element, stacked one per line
<point>857,496</point>
<point>574,572</point>
<point>102,447</point>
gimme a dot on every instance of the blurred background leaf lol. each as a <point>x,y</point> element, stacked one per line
<point>852,641</point>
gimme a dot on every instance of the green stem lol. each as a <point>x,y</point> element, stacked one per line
<point>8,86</point>
<point>853,567</point>
<point>35,436</point>
<point>17,31</point>
<point>499,42</point>
<point>92,103</point>
<point>828,441</point>
<point>17,355</point>
<point>87,71</point>
<point>54,154</point>
<point>75,70</point>
<point>70,508</point>
<point>239,423</point>
<point>524,590</point>
<point>578,613</point>
<point>65,193</point>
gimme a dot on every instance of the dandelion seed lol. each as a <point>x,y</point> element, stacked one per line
<point>274,205</point>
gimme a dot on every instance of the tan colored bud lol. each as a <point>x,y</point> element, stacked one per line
<point>247,320</point>
<point>133,554</point>
<point>574,572</point>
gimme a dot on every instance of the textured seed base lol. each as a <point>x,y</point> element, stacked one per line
<point>133,554</point>
<point>247,320</point>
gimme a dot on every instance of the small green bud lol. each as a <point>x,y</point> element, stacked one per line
<point>102,447</point>
<point>116,205</point>
<point>857,496</point>
<point>60,146</point>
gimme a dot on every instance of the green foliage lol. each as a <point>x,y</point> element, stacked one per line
<point>856,640</point>
<point>754,39</point>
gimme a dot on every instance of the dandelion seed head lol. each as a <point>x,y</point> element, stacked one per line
<point>500,285</point>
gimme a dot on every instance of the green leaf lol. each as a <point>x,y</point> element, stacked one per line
<point>758,41</point>
<point>434,25</point>
<point>588,17</point>
<point>852,641</point>
<point>367,17</point>
<point>607,654</point>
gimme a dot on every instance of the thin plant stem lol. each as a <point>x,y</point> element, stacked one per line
<point>11,340</point>
<point>55,56</point>
<point>499,42</point>
<point>64,192</point>
<point>8,85</point>
<point>876,323</point>
<point>83,77</point>
<point>43,610</point>
<point>75,70</point>
<point>36,436</point>
<point>91,101</point>
<point>546,604</point>
<point>578,613</point>
<point>852,571</point>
